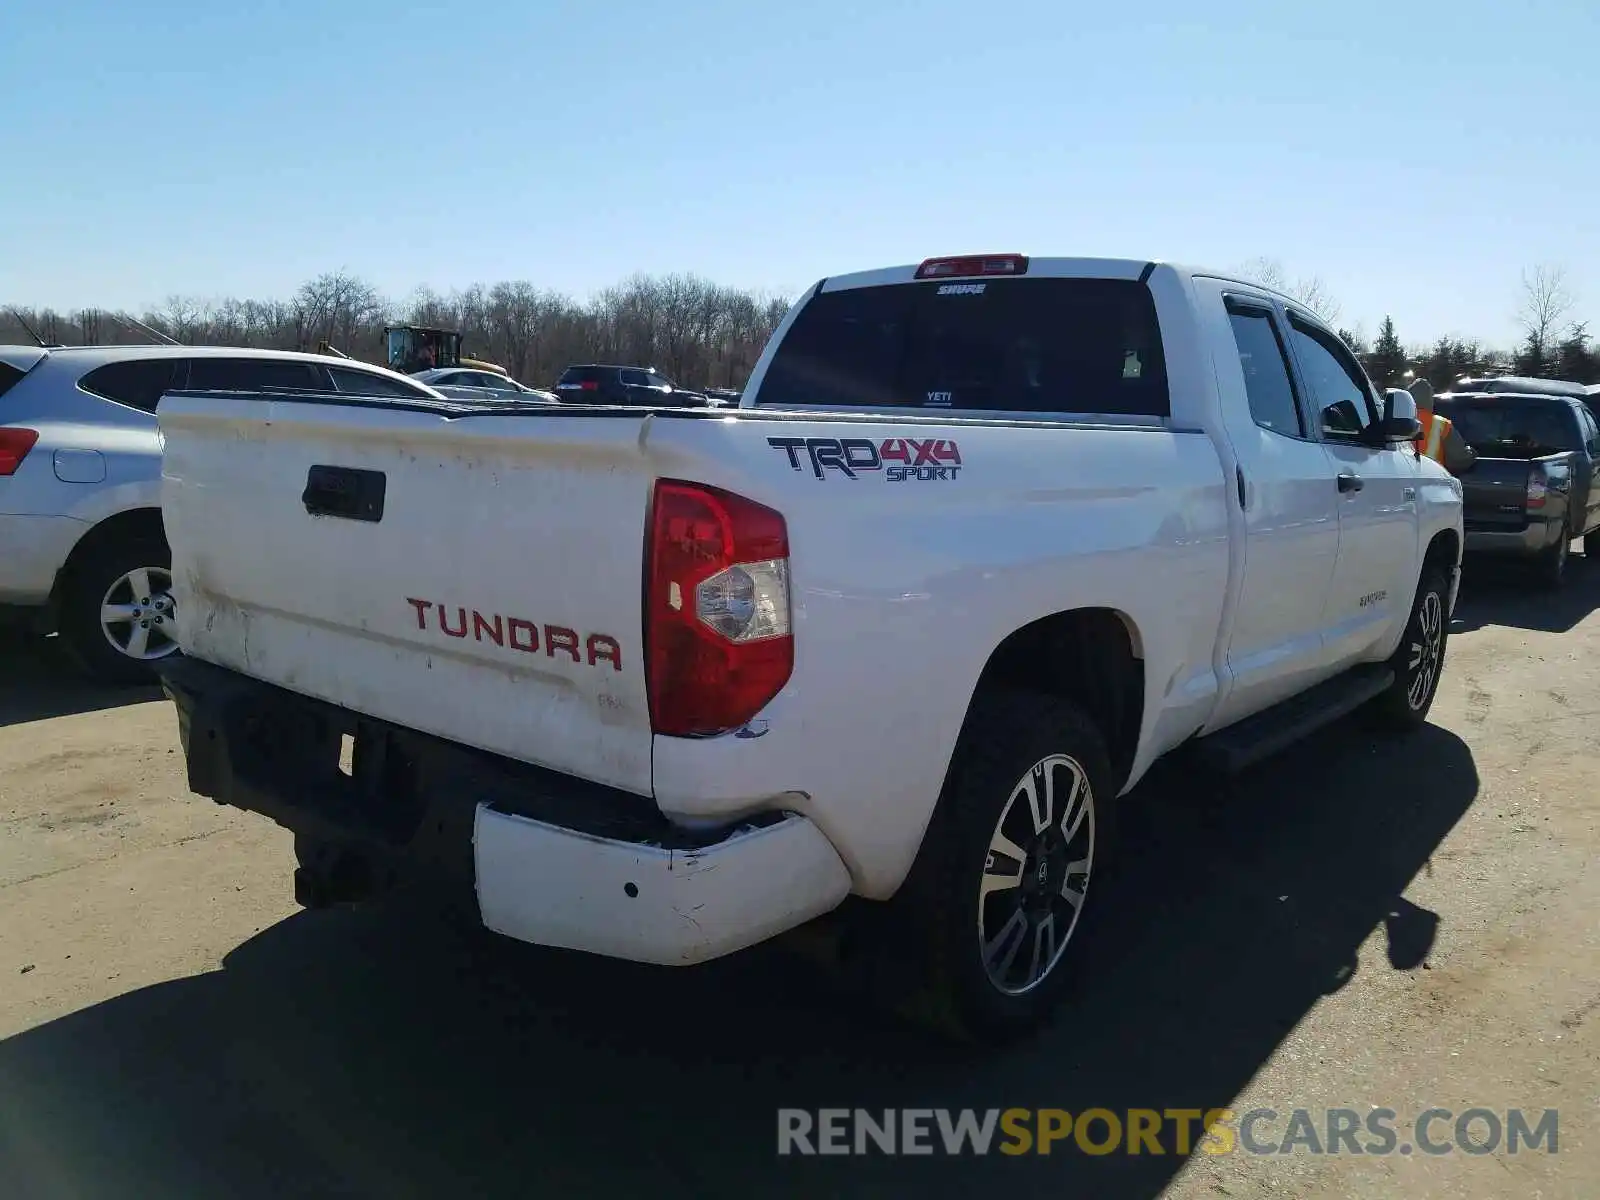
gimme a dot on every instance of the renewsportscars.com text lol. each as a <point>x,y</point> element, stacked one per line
<point>1099,1131</point>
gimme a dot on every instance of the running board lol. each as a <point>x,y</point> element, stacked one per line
<point>1238,746</point>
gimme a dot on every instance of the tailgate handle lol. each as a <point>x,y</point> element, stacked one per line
<point>348,492</point>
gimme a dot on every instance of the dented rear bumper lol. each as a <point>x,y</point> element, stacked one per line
<point>554,887</point>
<point>548,858</point>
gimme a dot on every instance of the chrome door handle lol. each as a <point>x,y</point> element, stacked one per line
<point>1350,483</point>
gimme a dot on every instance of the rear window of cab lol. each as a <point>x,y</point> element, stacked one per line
<point>1069,346</point>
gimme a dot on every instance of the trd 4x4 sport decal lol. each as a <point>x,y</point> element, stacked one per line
<point>900,459</point>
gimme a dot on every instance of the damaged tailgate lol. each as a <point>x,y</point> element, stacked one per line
<point>469,574</point>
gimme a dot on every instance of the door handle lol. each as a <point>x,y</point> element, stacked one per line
<point>347,492</point>
<point>1350,483</point>
<point>1238,478</point>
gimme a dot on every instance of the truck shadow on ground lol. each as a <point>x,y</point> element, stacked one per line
<point>1506,593</point>
<point>353,1054</point>
<point>38,682</point>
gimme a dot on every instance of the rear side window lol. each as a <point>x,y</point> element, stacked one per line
<point>1591,431</point>
<point>1004,345</point>
<point>580,375</point>
<point>8,377</point>
<point>364,383</point>
<point>252,375</point>
<point>138,382</point>
<point>1267,381</point>
<point>1502,429</point>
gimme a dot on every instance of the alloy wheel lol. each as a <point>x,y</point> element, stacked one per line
<point>1036,874</point>
<point>1427,648</point>
<point>138,615</point>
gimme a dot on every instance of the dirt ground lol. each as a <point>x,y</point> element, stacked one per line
<point>1401,924</point>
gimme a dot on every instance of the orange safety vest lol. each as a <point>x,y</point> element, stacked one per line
<point>1430,442</point>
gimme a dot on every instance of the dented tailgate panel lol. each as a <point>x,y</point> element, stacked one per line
<point>477,578</point>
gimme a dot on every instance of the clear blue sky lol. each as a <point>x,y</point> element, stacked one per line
<point>152,148</point>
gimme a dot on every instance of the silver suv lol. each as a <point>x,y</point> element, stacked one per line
<point>82,551</point>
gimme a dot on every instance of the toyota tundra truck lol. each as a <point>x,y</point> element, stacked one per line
<point>984,538</point>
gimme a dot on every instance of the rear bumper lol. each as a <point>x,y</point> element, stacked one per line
<point>548,859</point>
<point>540,883</point>
<point>1538,536</point>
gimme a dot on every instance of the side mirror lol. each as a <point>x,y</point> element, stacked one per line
<point>1400,423</point>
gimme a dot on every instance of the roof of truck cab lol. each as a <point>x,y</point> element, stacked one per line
<point>1050,268</point>
<point>1491,399</point>
<point>1524,385</point>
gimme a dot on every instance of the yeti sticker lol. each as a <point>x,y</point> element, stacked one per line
<point>939,399</point>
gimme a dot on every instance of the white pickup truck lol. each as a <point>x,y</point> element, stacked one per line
<point>984,538</point>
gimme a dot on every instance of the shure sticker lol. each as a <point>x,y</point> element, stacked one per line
<point>962,289</point>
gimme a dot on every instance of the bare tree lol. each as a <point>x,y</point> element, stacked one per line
<point>1309,290</point>
<point>1313,293</point>
<point>1268,272</point>
<point>699,332</point>
<point>1546,302</point>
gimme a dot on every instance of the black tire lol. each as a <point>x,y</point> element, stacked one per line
<point>1551,568</point>
<point>1591,546</point>
<point>87,586</point>
<point>1008,737</point>
<point>1418,662</point>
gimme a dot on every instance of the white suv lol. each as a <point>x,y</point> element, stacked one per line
<point>82,550</point>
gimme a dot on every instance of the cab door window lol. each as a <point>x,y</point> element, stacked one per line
<point>1340,392</point>
<point>1267,382</point>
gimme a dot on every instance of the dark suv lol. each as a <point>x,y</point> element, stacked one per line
<point>599,383</point>
<point>1531,487</point>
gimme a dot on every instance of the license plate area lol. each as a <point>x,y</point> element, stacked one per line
<point>343,768</point>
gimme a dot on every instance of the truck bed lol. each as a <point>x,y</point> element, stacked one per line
<point>485,584</point>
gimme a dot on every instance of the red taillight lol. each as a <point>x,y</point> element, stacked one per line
<point>1536,491</point>
<point>717,640</point>
<point>589,385</point>
<point>15,442</point>
<point>974,264</point>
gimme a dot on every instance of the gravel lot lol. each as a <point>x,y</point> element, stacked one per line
<point>1402,924</point>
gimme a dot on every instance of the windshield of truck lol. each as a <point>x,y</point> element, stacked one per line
<point>1502,429</point>
<point>1086,346</point>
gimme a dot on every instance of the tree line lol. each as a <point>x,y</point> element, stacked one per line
<point>1554,345</point>
<point>703,334</point>
<point>699,333</point>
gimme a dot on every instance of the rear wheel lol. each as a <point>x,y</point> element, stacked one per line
<point>1003,882</point>
<point>1552,564</point>
<point>118,618</point>
<point>1419,660</point>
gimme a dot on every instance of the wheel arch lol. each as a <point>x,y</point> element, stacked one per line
<point>1444,549</point>
<point>143,521</point>
<point>1093,657</point>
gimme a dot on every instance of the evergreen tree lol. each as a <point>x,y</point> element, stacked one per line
<point>1575,361</point>
<point>1387,362</point>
